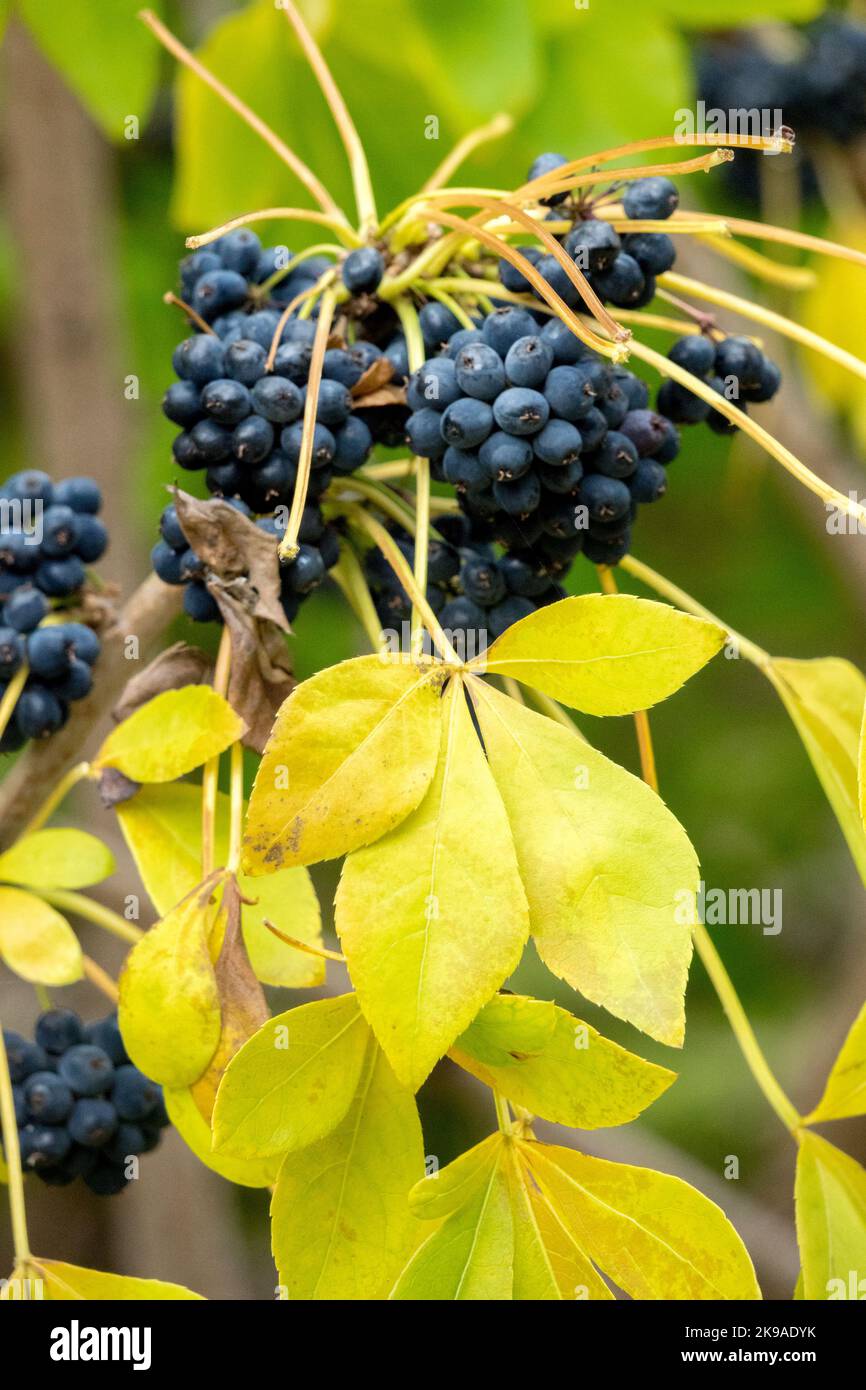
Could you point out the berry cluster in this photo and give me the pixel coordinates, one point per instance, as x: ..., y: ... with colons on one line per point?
x: 50, y: 532
x: 175, y: 562
x: 621, y: 270
x: 815, y: 76
x: 733, y: 367
x: 475, y: 593
x: 83, y: 1109
x: 241, y: 420
x: 550, y: 445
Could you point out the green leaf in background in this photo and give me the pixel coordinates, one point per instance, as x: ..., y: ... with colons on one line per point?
x: 36, y: 942
x: 845, y: 1092
x: 341, y: 1225
x: 57, y: 859
x: 162, y: 827
x: 293, y: 1082
x: 104, y: 52
x: 825, y: 699
x: 830, y: 1194
x: 575, y: 1078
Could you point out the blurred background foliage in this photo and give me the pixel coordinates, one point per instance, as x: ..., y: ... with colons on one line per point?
x: 109, y: 158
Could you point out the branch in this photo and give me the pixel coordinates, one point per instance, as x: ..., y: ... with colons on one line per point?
x: 148, y: 612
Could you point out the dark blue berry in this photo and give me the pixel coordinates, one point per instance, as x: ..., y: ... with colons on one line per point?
x: 558, y: 444
x: 181, y: 404
x: 200, y: 359
x: 48, y: 653
x: 185, y: 453
x: 217, y: 291
x: 518, y: 498
x: 58, y: 1029
x: 92, y: 540
x: 83, y: 495
x: 651, y: 199
x: 245, y: 361
x: 333, y: 404
x: 680, y: 404
x: 482, y: 581
x: 624, y: 284
x: 464, y: 469
x: 559, y: 280
x: 654, y: 251
x: 504, y: 326
x: 199, y: 604
x: 240, y: 250
x: 424, y: 434
x: 505, y: 456
x: 306, y: 571
x: 437, y: 324
x: 695, y: 354
x: 92, y: 1122
x: 24, y: 1057
x: 508, y: 612
x: 226, y: 401
x: 616, y: 456
x: 740, y: 358
x: 87, y: 1069
x: 133, y: 1095
x: 278, y: 399
x: 43, y: 1146
x: 292, y: 360
x: 648, y: 482
x: 59, y: 531
x: 60, y: 578
x: 466, y: 423
x: 12, y: 652
x: 480, y: 372
x: 521, y: 411
x: 606, y: 499
x: 39, y: 713
x: 77, y: 682
x: 47, y: 1097
x: 83, y: 642
x: 593, y: 245
x: 32, y: 485
x: 362, y: 270
x: 324, y: 444
x: 171, y: 530
x: 528, y: 361
x: 514, y: 279
x: 546, y: 164
x: 340, y: 365
x: 252, y: 439
x: 353, y: 444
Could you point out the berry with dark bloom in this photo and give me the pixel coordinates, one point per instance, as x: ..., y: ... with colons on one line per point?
x: 362, y: 270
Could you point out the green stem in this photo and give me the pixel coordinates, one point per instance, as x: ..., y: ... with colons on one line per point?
x: 743, y: 1031
x: 350, y: 577
x: 92, y: 911
x: 10, y: 698
x: 503, y: 1114
x: 12, y: 1149
x: 75, y: 775
x: 415, y: 347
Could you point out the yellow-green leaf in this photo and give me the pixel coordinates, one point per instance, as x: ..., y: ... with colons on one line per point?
x: 470, y: 1257
x: 169, y: 1007
x: 825, y: 699
x: 654, y: 1235
x: 446, y: 1190
x: 57, y: 859
x: 36, y: 942
x: 293, y: 1082
x: 609, y: 872
x: 340, y: 1221
x: 195, y: 1132
x: 576, y: 1077
x: 162, y: 827
x: 830, y: 1193
x: 604, y: 653
x: 861, y: 770
x: 433, y: 917
x: 170, y: 735
x: 351, y: 754
x: 65, y: 1283
x: 845, y: 1092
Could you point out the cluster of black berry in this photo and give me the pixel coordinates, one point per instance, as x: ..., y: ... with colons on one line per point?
x: 621, y: 270
x: 550, y: 445
x: 815, y: 76
x: 49, y: 532
x: 733, y: 367
x: 83, y: 1109
x: 475, y: 593
x: 241, y: 421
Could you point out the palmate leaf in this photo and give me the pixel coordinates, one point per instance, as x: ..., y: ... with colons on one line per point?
x: 830, y: 1193
x: 36, y: 942
x: 162, y: 827
x: 845, y: 1092
x: 169, y: 1006
x: 825, y: 699
x: 293, y: 1082
x: 171, y: 734
x: 573, y: 1076
x: 604, y: 653
x: 341, y: 1225
x: 609, y: 872
x: 433, y: 917
x: 351, y: 754
x: 57, y: 859
x: 530, y: 1221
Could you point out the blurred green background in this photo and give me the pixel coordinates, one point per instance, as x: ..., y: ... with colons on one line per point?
x: 107, y: 163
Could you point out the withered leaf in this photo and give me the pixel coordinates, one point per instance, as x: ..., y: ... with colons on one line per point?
x: 177, y: 666
x: 378, y: 374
